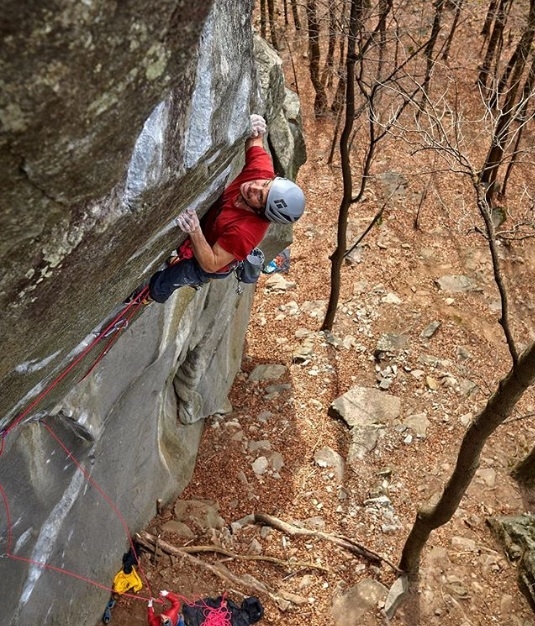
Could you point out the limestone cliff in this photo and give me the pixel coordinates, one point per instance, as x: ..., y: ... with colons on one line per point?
x: 114, y: 118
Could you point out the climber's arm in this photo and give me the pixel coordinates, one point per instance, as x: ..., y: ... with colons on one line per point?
x: 211, y: 259
x: 254, y: 141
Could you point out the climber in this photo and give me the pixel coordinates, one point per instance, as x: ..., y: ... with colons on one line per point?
x: 234, y: 225
x: 169, y: 617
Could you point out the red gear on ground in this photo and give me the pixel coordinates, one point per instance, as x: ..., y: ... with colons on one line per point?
x: 171, y: 613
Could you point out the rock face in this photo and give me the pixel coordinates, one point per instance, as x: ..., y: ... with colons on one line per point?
x: 114, y: 118
x: 517, y: 537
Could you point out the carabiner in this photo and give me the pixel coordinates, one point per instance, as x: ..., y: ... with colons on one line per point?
x: 119, y: 325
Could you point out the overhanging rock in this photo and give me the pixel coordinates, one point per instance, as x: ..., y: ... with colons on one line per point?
x: 115, y: 118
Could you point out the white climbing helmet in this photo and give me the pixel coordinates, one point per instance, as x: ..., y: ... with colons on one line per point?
x: 285, y: 202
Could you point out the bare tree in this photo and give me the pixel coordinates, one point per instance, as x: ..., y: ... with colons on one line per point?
x: 295, y: 15
x: 510, y: 82
x: 370, y: 93
x: 347, y: 197
x: 446, y: 52
x: 285, y: 9
x: 522, y: 117
x: 385, y: 6
x: 498, y: 408
x: 320, y: 102
x: 495, y: 41
x: 327, y: 72
x: 491, y: 12
x: 441, y: 131
x: 430, y: 48
x: 272, y: 24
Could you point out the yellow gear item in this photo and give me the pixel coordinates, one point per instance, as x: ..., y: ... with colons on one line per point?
x: 127, y: 582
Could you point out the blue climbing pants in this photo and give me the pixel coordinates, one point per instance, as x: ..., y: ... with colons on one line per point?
x: 185, y: 272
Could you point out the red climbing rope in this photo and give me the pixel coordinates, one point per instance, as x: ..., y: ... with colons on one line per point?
x: 8, y: 520
x: 112, y: 505
x: 219, y: 616
x: 114, y: 334
x: 213, y: 616
x: 119, y: 323
x: 61, y: 570
x: 139, y: 297
x: 216, y: 617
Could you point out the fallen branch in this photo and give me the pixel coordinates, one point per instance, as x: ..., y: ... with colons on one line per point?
x: 281, y: 598
x: 339, y: 540
x: 158, y: 543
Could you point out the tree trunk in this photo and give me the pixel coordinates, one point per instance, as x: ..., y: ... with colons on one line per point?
x: 320, y: 102
x: 295, y: 14
x: 429, y: 50
x: 494, y: 42
x: 272, y: 23
x: 491, y: 13
x: 327, y: 73
x: 337, y: 257
x: 524, y: 472
x: 522, y: 117
x: 447, y: 47
x: 384, y: 9
x: 509, y: 109
x: 518, y: 58
x: 498, y: 408
x: 263, y: 19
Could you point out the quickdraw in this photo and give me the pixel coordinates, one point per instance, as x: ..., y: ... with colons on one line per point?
x: 122, y: 324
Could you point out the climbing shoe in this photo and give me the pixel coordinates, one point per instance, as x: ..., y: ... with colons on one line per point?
x: 106, y: 618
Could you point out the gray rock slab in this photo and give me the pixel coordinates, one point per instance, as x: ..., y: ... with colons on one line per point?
x: 456, y: 283
x: 327, y: 457
x: 114, y: 119
x: 516, y: 534
x: 361, y: 406
x: 199, y: 514
x: 269, y: 371
x: 363, y: 440
x: 349, y: 608
x: 392, y: 342
x: 179, y: 528
x: 397, y: 593
x: 430, y: 330
x: 417, y: 423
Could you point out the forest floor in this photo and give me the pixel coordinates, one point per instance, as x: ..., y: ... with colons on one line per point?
x: 442, y: 381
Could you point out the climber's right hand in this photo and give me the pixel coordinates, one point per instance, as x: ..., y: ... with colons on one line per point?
x: 188, y: 221
x: 258, y: 125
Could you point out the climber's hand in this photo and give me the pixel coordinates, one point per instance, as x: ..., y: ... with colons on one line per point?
x: 258, y: 125
x: 188, y: 221
x: 164, y: 593
x: 150, y: 603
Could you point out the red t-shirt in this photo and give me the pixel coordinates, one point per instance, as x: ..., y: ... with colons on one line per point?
x: 236, y: 230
